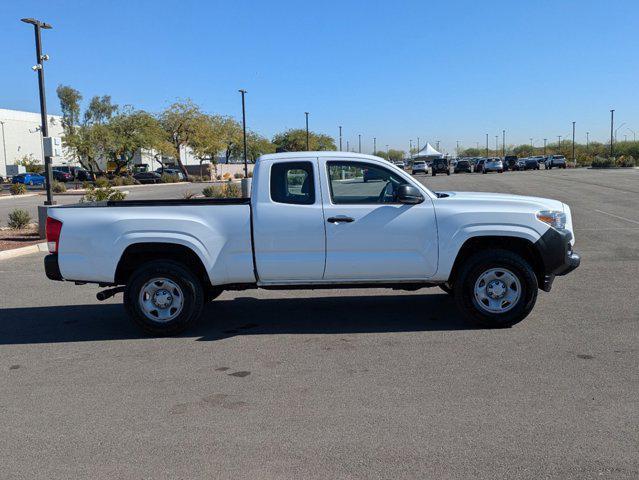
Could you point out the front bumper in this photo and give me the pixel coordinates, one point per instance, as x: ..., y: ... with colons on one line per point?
x: 557, y: 255
x: 51, y: 267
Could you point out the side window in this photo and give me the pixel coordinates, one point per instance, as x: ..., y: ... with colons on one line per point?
x: 362, y: 183
x: 292, y: 182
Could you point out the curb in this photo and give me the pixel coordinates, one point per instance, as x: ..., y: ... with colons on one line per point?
x: 25, y: 195
x: 18, y: 252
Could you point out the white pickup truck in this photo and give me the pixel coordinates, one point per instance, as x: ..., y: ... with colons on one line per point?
x: 315, y: 220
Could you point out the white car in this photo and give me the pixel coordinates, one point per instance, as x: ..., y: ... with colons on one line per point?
x: 312, y: 222
x: 419, y: 166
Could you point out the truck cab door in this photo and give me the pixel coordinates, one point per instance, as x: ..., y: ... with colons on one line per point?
x: 288, y: 222
x: 370, y: 236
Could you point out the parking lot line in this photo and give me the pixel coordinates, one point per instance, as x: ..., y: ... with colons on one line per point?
x: 617, y: 216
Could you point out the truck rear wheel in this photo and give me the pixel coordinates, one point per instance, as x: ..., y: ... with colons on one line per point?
x: 163, y: 297
x: 496, y: 288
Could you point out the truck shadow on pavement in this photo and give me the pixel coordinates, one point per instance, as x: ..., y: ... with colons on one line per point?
x: 241, y: 316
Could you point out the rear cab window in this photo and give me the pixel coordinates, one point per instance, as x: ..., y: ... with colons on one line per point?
x: 293, y: 183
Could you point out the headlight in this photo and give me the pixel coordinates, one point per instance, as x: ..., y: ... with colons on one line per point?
x: 554, y: 218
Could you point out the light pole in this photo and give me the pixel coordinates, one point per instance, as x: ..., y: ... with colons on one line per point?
x: 503, y: 143
x: 387, y: 157
x: 243, y: 92
x: 612, y: 124
x: 348, y: 146
x: 39, y: 67
x: 545, y: 140
x: 496, y: 144
x: 307, y: 144
x: 587, y: 141
x: 574, y: 160
x: 559, y: 137
x: 340, y: 138
x: 457, y: 149
x: 410, y: 147
x: 374, y: 145
x: 437, y: 143
x: 531, y: 142
x: 359, y: 143
x: 486, y: 145
x: 417, y: 144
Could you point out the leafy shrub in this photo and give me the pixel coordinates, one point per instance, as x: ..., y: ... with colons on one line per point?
x: 117, y: 181
x: 238, y: 175
x: 227, y: 190
x: 102, y: 182
x: 18, y: 219
x: 188, y: 195
x: 626, y: 161
x: 18, y: 189
x: 166, y: 178
x: 250, y: 174
x: 102, y: 194
x: 58, y: 187
x: 86, y: 185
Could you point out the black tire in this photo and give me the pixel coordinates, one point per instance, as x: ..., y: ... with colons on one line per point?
x: 448, y: 173
x: 193, y: 297
x: 474, y: 267
x: 434, y: 174
x: 213, y: 293
x: 484, y: 171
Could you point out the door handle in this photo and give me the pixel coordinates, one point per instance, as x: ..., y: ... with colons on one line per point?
x: 340, y: 220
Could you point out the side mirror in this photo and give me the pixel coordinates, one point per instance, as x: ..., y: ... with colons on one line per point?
x: 409, y: 195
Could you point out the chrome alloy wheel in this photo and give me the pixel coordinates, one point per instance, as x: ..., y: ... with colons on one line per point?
x: 161, y: 300
x: 497, y: 290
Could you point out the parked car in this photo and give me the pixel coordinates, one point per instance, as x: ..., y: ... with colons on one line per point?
x: 169, y: 257
x: 531, y: 163
x: 419, y: 166
x: 66, y: 169
x: 399, y: 163
x: 510, y: 162
x: 61, y: 176
x: 171, y: 171
x: 462, y: 166
x: 29, y: 179
x: 520, y: 164
x: 84, y: 175
x: 493, y: 165
x: 147, y: 177
x: 479, y: 165
x: 439, y: 165
x: 555, y: 161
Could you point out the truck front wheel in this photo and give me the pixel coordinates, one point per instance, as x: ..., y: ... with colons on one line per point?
x: 163, y: 297
x: 496, y: 288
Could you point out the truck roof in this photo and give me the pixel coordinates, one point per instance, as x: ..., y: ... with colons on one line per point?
x: 332, y: 153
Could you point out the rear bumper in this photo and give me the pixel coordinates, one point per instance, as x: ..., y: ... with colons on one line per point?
x: 51, y: 267
x: 557, y: 256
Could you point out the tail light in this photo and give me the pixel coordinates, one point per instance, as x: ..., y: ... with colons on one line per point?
x: 54, y: 227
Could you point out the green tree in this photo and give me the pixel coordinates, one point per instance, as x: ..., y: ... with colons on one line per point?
x: 382, y: 154
x: 182, y: 121
x: 396, y: 155
x: 129, y: 132
x: 294, y: 140
x: 30, y: 164
x: 524, y: 150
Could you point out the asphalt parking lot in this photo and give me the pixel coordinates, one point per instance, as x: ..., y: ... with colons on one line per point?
x: 339, y: 384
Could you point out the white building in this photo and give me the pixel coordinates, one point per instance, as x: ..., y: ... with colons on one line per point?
x: 20, y: 136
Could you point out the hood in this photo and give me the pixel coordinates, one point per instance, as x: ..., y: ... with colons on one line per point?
x: 503, y: 198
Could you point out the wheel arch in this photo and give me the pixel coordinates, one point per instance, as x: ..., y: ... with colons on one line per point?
x: 519, y: 245
x: 136, y: 254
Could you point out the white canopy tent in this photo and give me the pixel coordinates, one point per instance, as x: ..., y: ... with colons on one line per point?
x: 428, y: 152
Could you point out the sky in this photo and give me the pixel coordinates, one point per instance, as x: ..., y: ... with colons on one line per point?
x: 395, y: 70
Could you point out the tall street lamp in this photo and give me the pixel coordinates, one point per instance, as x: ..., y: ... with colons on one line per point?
x: 359, y: 143
x: 486, y: 145
x: 387, y: 157
x: 612, y: 125
x: 39, y: 67
x: 243, y: 92
x: 531, y: 142
x: 374, y: 145
x: 340, y: 138
x: 587, y: 140
x: 574, y: 160
x: 503, y: 143
x: 307, y: 144
x: 545, y: 140
x: 559, y: 137
x: 417, y: 144
x: 410, y: 147
x: 496, y: 144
